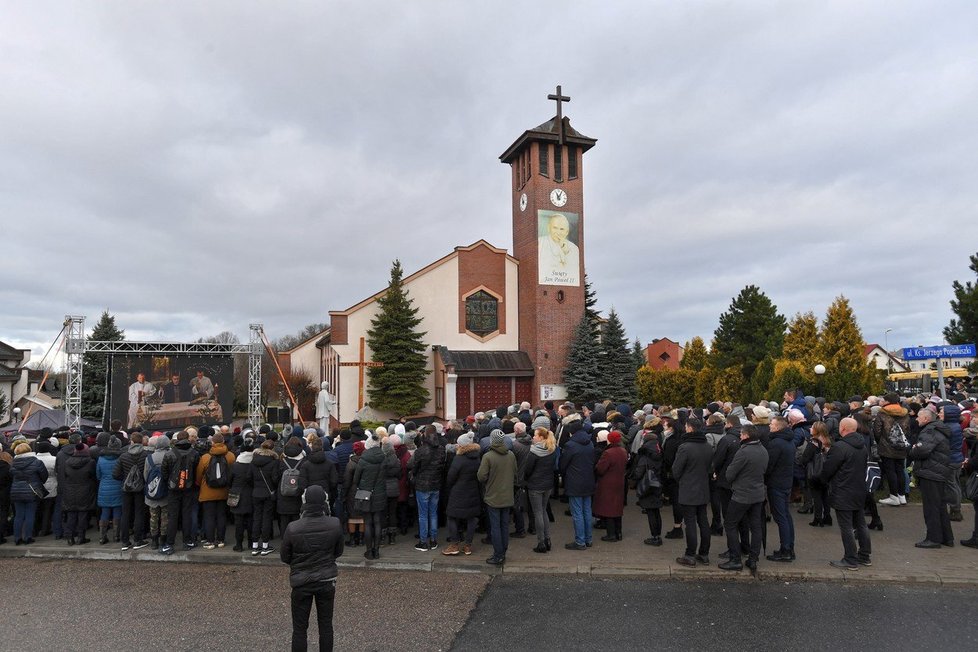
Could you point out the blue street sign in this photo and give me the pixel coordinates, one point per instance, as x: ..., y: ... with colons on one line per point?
x: 946, y: 351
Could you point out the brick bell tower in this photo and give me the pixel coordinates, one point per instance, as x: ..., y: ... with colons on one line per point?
x: 548, y: 240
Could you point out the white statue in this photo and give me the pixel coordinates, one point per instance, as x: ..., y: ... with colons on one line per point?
x: 325, y: 405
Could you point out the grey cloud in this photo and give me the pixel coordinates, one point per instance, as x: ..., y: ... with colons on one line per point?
x: 196, y: 167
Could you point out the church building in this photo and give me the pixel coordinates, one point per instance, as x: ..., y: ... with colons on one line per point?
x: 498, y: 325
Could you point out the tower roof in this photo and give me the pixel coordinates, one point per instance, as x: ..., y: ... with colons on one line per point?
x: 548, y: 132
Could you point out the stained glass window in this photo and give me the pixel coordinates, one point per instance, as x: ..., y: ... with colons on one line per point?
x: 481, y: 313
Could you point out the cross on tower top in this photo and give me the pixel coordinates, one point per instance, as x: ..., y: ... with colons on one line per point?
x: 558, y: 98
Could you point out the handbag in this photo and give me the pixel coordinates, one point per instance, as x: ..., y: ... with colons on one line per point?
x: 42, y: 494
x: 233, y: 499
x: 648, y: 483
x: 971, y: 487
x: 815, y: 466
x: 361, y: 500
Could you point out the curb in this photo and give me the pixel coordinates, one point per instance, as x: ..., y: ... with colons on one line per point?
x: 604, y: 570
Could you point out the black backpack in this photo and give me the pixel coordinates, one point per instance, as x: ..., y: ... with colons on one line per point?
x: 134, y: 482
x: 182, y: 474
x: 218, y: 474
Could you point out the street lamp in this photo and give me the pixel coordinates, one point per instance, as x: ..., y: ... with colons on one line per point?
x: 820, y: 371
x: 16, y: 414
x: 886, y: 345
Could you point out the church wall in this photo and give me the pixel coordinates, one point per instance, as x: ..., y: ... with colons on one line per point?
x: 436, y: 295
x: 308, y: 358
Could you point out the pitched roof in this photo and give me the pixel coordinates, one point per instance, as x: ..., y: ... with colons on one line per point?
x: 6, y: 373
x: 549, y: 131
x: 427, y: 268
x: 315, y: 336
x: 8, y: 352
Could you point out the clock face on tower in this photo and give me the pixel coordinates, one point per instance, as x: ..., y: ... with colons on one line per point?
x: 523, y: 202
x: 558, y: 197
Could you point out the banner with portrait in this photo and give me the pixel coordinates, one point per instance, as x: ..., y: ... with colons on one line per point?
x: 167, y: 392
x: 559, y: 256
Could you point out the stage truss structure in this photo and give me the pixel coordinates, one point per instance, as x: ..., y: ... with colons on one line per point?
x: 77, y: 346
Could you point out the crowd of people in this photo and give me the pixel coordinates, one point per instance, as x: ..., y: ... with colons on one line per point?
x: 722, y: 470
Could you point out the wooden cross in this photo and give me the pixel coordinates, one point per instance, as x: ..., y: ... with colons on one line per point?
x: 558, y: 98
x: 362, y: 364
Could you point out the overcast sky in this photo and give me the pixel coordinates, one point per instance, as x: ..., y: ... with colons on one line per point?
x: 196, y: 166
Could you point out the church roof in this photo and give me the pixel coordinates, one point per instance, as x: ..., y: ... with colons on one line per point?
x: 6, y: 373
x: 549, y: 132
x: 424, y: 270
x: 488, y: 363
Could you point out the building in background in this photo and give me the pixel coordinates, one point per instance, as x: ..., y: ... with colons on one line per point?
x: 663, y: 354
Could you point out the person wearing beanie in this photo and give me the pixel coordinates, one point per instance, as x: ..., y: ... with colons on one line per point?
x: 464, y: 496
x: 310, y: 546
x: 497, y: 473
x: 428, y: 464
x: 215, y: 467
x: 109, y: 490
x: 78, y: 488
x: 609, y: 490
x: 159, y: 446
x: 28, y: 475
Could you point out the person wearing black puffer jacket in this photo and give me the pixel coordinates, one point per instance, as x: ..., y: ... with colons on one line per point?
x: 240, y: 492
x: 264, y: 481
x: 692, y: 471
x: 932, y: 467
x: 79, y: 492
x: 310, y: 546
x: 369, y: 476
x: 133, y: 506
x: 319, y: 470
x: 723, y: 454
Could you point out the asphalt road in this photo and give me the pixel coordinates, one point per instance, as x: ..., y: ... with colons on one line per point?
x: 554, y: 613
x: 99, y: 605
x: 91, y: 605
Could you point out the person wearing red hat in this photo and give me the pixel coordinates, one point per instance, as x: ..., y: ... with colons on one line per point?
x: 609, y: 492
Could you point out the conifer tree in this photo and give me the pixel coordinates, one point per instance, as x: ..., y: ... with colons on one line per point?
x: 841, y: 352
x: 591, y: 300
x: 638, y: 354
x: 399, y: 385
x: 801, y: 340
x: 749, y: 331
x: 96, y: 366
x: 695, y: 356
x: 617, y: 375
x: 581, y: 373
x: 761, y: 381
x: 964, y: 329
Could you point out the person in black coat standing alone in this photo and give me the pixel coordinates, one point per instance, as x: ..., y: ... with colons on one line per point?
x: 692, y: 471
x: 310, y: 547
x: 844, y: 471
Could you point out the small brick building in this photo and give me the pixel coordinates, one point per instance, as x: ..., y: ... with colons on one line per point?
x: 663, y: 354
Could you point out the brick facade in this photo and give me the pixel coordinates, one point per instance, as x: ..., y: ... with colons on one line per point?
x: 548, y: 313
